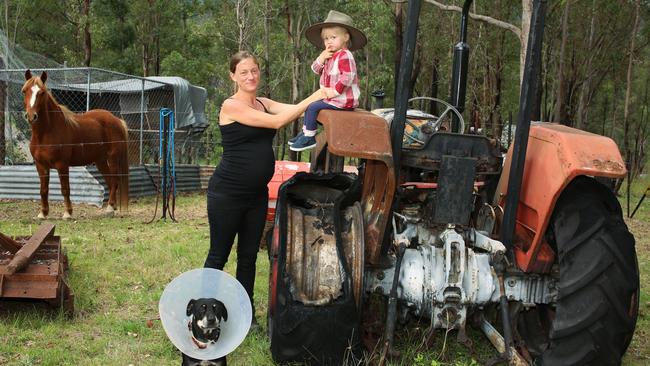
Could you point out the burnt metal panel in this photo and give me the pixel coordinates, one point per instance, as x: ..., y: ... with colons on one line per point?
x: 312, y: 256
x: 454, y: 196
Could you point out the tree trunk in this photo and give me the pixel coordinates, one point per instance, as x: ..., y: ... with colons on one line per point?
x: 560, y: 102
x: 241, y: 9
x: 366, y: 53
x: 87, y: 42
x: 495, y: 113
x: 604, y: 114
x: 614, y: 108
x: 526, y: 14
x: 433, y: 91
x: 267, y: 48
x: 294, y: 24
x: 628, y: 91
x: 3, y: 97
x: 416, y: 68
x: 157, y: 32
x: 536, y: 108
x: 399, y: 34
x: 145, y: 59
x: 585, y: 91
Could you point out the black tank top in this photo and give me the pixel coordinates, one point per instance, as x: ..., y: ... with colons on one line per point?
x: 248, y: 162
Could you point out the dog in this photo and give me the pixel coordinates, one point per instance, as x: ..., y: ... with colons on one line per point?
x: 205, y: 325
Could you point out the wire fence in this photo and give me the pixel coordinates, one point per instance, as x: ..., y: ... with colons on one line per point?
x: 136, y: 100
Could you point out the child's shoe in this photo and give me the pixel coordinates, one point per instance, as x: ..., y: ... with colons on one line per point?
x: 293, y: 139
x: 303, y: 143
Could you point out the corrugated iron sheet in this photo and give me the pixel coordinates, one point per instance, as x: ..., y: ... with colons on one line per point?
x: 205, y: 172
x: 140, y: 182
x: 87, y: 185
x: 21, y: 182
x: 188, y: 177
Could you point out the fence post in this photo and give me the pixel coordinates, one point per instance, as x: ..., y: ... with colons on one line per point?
x: 88, y: 92
x: 141, y: 119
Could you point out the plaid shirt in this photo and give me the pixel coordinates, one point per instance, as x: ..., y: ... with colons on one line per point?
x: 340, y: 73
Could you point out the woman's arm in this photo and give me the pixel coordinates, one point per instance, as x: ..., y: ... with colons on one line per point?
x: 275, y: 107
x: 280, y: 113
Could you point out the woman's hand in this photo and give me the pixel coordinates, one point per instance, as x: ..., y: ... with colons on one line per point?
x: 316, y: 96
x: 329, y: 92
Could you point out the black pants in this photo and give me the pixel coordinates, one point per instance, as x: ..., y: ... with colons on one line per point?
x: 244, y: 217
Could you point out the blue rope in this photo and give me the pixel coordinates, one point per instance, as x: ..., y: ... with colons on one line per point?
x: 171, y: 157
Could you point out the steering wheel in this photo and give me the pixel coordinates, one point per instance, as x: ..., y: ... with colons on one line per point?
x: 438, y: 120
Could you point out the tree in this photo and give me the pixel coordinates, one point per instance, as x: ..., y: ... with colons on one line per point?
x: 560, y: 114
x: 626, y: 112
x: 86, y: 32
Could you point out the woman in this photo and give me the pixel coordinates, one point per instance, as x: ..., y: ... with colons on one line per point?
x: 237, y: 191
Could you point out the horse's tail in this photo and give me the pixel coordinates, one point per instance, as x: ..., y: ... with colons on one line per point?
x: 123, y: 169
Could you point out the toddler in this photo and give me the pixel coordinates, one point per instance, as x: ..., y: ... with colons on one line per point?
x: 337, y: 69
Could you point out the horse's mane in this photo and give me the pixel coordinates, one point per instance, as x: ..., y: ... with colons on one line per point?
x: 68, y: 115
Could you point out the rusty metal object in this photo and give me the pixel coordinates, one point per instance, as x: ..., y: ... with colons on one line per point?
x: 8, y: 244
x: 25, y: 254
x: 499, y: 343
x: 362, y: 135
x: 312, y: 256
x: 353, y: 245
x: 312, y: 259
x: 37, y: 270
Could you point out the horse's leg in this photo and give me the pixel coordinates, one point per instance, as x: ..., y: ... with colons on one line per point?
x: 64, y: 177
x: 111, y: 183
x: 44, y: 177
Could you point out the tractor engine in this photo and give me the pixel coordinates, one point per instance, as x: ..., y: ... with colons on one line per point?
x: 446, y: 270
x: 445, y: 222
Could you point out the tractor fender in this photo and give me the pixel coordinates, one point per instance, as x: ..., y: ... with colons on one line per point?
x: 556, y: 155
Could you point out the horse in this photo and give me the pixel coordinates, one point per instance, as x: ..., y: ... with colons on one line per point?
x: 61, y: 138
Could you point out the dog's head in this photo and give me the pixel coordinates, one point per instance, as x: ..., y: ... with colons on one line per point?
x: 206, y: 317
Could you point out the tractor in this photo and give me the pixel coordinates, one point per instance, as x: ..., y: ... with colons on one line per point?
x: 529, y: 247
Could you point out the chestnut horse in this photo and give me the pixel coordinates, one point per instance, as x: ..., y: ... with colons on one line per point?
x: 61, y: 139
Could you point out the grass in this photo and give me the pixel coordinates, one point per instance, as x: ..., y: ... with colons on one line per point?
x: 639, y: 351
x: 120, y: 266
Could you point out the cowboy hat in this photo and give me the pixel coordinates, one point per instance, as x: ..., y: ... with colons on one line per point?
x: 335, y: 18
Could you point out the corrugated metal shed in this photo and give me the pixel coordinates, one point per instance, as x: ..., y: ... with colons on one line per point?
x: 87, y: 185
x: 205, y: 172
x: 140, y: 183
x: 21, y: 182
x: 188, y: 178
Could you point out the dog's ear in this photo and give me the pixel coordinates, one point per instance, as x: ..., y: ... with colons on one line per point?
x: 190, y: 307
x: 222, y: 310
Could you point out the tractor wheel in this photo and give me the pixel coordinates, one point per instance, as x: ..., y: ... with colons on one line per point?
x: 598, y: 290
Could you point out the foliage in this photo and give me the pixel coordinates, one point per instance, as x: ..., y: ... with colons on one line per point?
x: 194, y: 39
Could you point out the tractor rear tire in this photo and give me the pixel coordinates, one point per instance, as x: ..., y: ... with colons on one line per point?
x: 598, y: 289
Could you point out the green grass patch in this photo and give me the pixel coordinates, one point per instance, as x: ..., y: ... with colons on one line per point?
x: 119, y: 267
